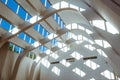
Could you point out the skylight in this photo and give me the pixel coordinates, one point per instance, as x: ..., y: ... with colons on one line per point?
x: 91, y: 64
x: 74, y: 7
x: 76, y: 55
x: 102, y: 53
x: 56, y: 6
x: 81, y: 9
x: 92, y: 79
x: 108, y: 74
x: 37, y: 59
x: 65, y: 49
x: 89, y: 31
x: 111, y: 28
x: 56, y: 70
x: 74, y: 26
x: 99, y: 42
x: 52, y: 35
x: 79, y: 72
x: 64, y: 4
x: 45, y: 62
x: 14, y: 30
x: 65, y: 63
x: 54, y: 55
x: 99, y: 23
x: 36, y: 44
x: 90, y: 47
x: 34, y: 19
x: 106, y: 44
x: 48, y: 51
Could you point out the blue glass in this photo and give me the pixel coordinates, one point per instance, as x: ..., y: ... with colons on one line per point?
x: 45, y: 33
x: 43, y: 2
x: 41, y: 29
x: 41, y: 48
x: 55, y: 42
x: 48, y: 4
x: 62, y: 24
x: 52, y: 41
x: 12, y: 27
x: 4, y: 24
x: 21, y: 35
x: 36, y: 27
x: 32, y: 41
x: 16, y: 48
x: 3, y: 1
x: 27, y: 39
x: 44, y: 48
x: 57, y: 18
x: 22, y: 13
x: 12, y: 5
x: 29, y: 16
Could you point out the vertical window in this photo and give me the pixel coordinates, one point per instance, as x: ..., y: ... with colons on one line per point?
x: 12, y: 5
x: 22, y: 13
x: 21, y: 36
x: 5, y: 25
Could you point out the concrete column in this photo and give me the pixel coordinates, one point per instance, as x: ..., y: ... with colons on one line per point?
x: 17, y: 64
x: 106, y: 12
x: 3, y: 54
x: 32, y: 71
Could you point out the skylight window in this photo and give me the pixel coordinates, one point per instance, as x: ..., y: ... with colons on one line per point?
x: 91, y: 64
x: 54, y: 55
x: 84, y: 38
x: 34, y: 19
x: 14, y: 30
x: 111, y: 28
x: 88, y: 31
x: 64, y: 4
x: 90, y: 47
x: 102, y: 53
x: 99, y: 24
x: 79, y: 72
x: 36, y: 44
x: 56, y: 70
x: 74, y: 7
x: 78, y: 42
x: 48, y: 51
x: 99, y: 42
x: 81, y: 9
x: 56, y: 6
x: 65, y: 49
x: 108, y: 74
x: 65, y: 63
x: 81, y: 27
x: 76, y: 55
x: 74, y: 26
x: 51, y: 36
x: 37, y: 59
x: 106, y: 44
x: 45, y: 62
x: 68, y: 26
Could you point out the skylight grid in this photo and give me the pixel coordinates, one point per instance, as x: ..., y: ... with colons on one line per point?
x: 15, y: 48
x: 57, y: 18
x: 16, y: 8
x: 6, y: 25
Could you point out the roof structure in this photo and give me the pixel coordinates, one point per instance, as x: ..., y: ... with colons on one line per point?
x: 55, y: 30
